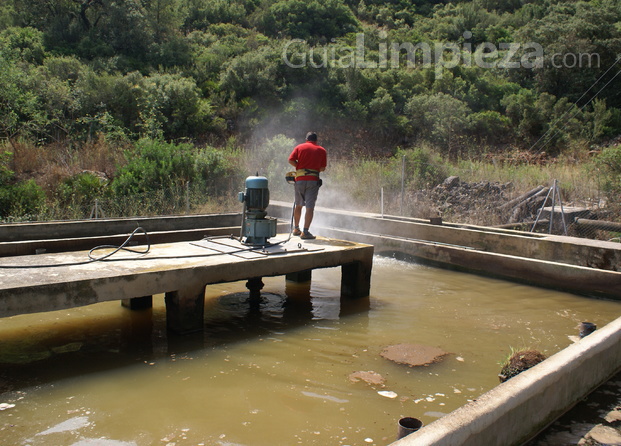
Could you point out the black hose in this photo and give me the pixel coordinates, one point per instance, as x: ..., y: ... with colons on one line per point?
x: 122, y: 247
x: 119, y: 248
x: 92, y: 259
x: 290, y: 228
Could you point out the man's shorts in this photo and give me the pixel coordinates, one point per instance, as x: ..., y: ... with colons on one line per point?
x: 306, y: 193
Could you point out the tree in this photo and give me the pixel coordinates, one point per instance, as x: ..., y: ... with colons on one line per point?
x: 20, y: 114
x: 438, y: 118
x: 314, y: 19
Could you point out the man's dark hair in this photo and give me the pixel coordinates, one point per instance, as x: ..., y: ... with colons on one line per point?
x: 311, y: 136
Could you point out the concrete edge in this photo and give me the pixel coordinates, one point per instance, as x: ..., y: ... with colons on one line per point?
x: 515, y: 411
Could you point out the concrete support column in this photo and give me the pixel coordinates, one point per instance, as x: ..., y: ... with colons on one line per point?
x: 185, y: 309
x: 255, y: 285
x: 138, y: 303
x: 300, y: 276
x: 356, y: 278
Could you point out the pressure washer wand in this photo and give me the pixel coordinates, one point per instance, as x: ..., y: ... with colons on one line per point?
x: 243, y: 221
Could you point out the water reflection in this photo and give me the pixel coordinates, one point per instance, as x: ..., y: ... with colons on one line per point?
x: 274, y: 370
x: 103, y: 336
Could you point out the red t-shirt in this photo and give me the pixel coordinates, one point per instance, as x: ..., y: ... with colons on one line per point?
x: 309, y: 155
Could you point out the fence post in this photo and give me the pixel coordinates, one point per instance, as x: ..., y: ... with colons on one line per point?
x: 187, y: 197
x: 402, y: 182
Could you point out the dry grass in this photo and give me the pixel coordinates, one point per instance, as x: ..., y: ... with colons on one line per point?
x: 50, y: 164
x: 361, y: 184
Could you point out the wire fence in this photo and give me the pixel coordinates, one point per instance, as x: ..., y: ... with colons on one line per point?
x: 573, y: 205
x: 181, y: 200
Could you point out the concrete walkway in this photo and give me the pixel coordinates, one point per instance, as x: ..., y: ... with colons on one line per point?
x: 48, y: 282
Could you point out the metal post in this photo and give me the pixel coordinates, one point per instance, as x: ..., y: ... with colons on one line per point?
x: 560, y: 202
x: 539, y: 211
x: 95, y: 210
x: 382, y: 201
x: 402, y: 182
x: 187, y: 197
x: 553, y: 203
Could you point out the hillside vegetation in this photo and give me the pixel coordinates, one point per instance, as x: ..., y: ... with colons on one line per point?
x: 107, y: 100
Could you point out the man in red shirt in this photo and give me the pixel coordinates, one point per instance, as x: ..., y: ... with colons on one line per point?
x: 309, y: 159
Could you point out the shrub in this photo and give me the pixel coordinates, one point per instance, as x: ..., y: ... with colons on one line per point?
x: 610, y: 162
x: 309, y: 19
x: 80, y: 191
x: 153, y: 165
x: 437, y: 118
x: 423, y: 169
x: 156, y: 165
x: 19, y: 200
x: 490, y: 127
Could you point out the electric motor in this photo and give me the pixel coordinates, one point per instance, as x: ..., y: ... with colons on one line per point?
x: 256, y: 226
x: 257, y: 196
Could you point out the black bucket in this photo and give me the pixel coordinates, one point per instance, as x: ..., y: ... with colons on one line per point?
x: 408, y: 425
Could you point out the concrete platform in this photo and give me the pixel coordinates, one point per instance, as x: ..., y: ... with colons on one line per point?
x: 49, y: 282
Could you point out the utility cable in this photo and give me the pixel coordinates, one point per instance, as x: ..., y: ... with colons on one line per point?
x: 573, y: 106
x: 578, y: 111
x: 122, y: 247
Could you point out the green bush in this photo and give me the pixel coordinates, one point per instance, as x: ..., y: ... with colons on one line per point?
x: 423, y: 168
x: 437, y: 118
x: 490, y: 127
x: 78, y: 193
x: 18, y: 199
x: 21, y: 200
x: 157, y: 165
x: 308, y: 19
x: 24, y: 44
x: 154, y: 164
x: 609, y: 161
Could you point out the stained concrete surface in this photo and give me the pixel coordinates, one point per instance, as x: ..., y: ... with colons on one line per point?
x: 413, y: 354
x: 594, y: 421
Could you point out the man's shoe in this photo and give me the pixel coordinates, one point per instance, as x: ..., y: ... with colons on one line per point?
x: 296, y: 232
x: 307, y: 236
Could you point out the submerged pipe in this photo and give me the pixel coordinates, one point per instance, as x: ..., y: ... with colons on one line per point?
x: 408, y: 425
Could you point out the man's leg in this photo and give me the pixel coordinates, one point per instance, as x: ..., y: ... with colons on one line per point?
x: 297, y: 214
x: 308, y: 218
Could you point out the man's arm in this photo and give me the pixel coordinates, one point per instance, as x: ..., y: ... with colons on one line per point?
x: 294, y: 163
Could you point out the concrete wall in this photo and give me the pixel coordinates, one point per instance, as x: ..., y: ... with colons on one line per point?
x: 575, y: 251
x: 566, y: 263
x: 51, y: 237
x: 111, y: 226
x: 515, y: 411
